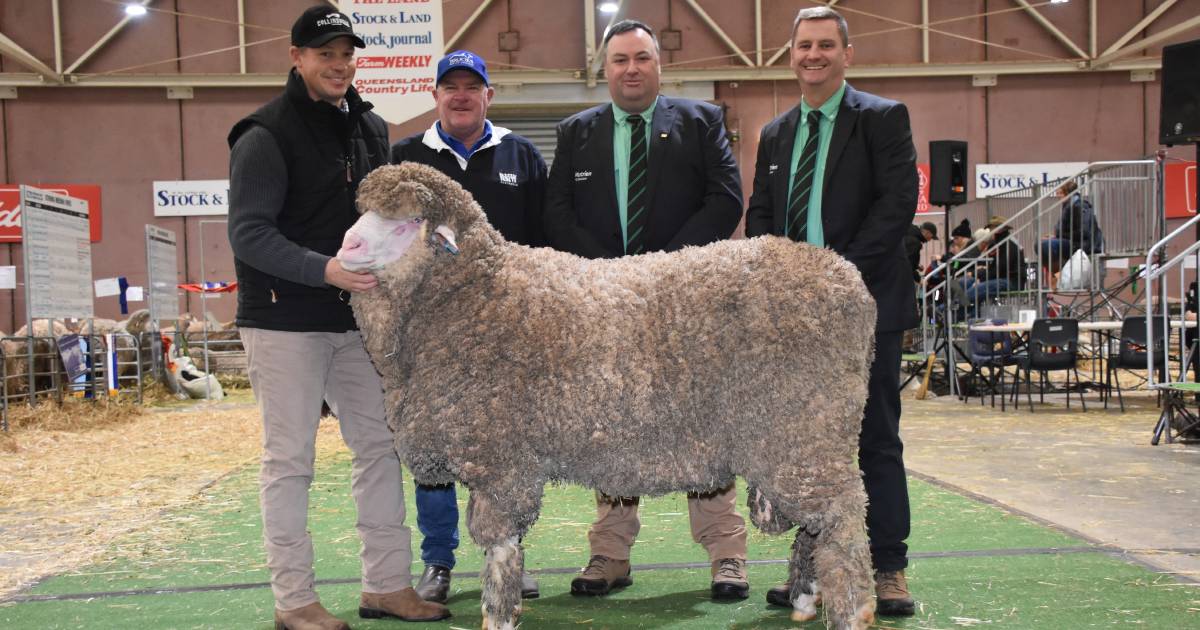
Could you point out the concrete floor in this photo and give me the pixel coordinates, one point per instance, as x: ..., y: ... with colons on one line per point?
x: 1093, y: 473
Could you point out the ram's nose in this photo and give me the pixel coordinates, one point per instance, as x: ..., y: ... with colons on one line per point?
x: 354, y: 253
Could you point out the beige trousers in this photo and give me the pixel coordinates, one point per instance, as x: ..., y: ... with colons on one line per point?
x: 291, y: 372
x: 716, y: 525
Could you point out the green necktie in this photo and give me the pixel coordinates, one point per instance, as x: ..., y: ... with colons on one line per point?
x: 635, y: 202
x: 802, y: 180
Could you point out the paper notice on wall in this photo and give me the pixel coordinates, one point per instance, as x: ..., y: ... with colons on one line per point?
x: 8, y: 277
x: 134, y: 294
x: 107, y: 286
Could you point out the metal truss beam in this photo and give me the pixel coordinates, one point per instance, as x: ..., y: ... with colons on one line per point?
x: 100, y: 43
x: 14, y: 51
x: 1052, y: 29
x: 1165, y: 34
x: 719, y: 32
x: 449, y: 45
x: 1139, y: 27
x: 530, y: 77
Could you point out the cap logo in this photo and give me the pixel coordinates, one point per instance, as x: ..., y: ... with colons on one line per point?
x: 334, y: 19
x: 461, y: 60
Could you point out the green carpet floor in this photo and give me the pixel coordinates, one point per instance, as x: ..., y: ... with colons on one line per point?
x: 972, y: 565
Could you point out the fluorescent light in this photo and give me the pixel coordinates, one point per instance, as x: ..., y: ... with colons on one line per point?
x: 135, y: 10
x: 1059, y: 1
x: 607, y: 8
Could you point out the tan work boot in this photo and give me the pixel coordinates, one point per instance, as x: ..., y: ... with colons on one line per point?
x: 601, y: 575
x: 729, y: 579
x: 891, y: 594
x: 404, y: 605
x: 310, y: 617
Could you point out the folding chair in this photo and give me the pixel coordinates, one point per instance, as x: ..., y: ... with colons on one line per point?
x: 1053, y: 347
x: 1131, y: 353
x: 994, y: 351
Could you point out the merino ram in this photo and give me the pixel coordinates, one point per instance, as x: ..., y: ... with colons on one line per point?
x: 507, y: 367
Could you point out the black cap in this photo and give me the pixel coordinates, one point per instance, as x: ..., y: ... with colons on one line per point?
x: 322, y: 24
x: 930, y: 227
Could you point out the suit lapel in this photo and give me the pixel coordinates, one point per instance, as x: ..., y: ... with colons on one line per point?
x: 600, y: 145
x: 843, y: 128
x: 782, y: 161
x: 661, y: 127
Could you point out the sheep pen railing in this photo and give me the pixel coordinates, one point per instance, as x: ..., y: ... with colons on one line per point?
x: 32, y: 369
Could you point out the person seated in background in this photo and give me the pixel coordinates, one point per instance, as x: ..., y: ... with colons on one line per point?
x: 1077, y: 230
x: 1191, y: 334
x: 960, y: 241
x: 914, y: 240
x: 1004, y: 269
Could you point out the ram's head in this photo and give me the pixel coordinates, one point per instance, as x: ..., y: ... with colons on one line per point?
x: 398, y: 204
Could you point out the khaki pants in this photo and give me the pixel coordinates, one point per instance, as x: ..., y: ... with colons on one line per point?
x: 716, y: 525
x: 291, y: 372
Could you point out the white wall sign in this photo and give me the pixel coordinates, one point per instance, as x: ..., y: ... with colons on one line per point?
x: 106, y: 287
x: 994, y: 179
x: 404, y: 43
x: 163, y: 268
x: 57, y: 246
x: 190, y: 198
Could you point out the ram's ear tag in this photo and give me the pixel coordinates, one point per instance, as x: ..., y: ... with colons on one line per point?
x: 444, y: 237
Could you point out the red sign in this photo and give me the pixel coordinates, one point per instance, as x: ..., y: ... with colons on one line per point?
x: 1179, y: 190
x: 923, y: 189
x: 10, y: 207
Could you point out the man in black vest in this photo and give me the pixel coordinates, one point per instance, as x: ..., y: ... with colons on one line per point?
x: 293, y: 173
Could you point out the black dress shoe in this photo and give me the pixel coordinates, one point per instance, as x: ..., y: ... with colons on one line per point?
x: 434, y: 585
x: 778, y: 596
x: 529, y: 587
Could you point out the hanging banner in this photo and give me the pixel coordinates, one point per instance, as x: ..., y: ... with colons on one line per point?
x: 994, y: 179
x: 191, y: 197
x: 1179, y: 190
x: 923, y: 190
x: 10, y: 208
x: 404, y: 43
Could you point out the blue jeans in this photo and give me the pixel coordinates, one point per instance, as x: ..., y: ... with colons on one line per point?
x: 437, y: 518
x: 1055, y: 252
x: 985, y: 289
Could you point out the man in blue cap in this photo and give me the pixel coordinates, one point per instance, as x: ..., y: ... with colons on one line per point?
x: 293, y: 171
x: 507, y: 176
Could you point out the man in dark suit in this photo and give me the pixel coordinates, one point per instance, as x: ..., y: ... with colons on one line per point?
x: 646, y: 173
x: 853, y: 188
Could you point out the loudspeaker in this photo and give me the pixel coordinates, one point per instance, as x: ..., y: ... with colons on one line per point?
x: 1179, y: 116
x: 947, y: 172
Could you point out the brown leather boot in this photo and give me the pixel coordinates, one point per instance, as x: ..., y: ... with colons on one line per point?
x: 891, y: 594
x: 404, y: 605
x: 601, y: 575
x: 310, y: 617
